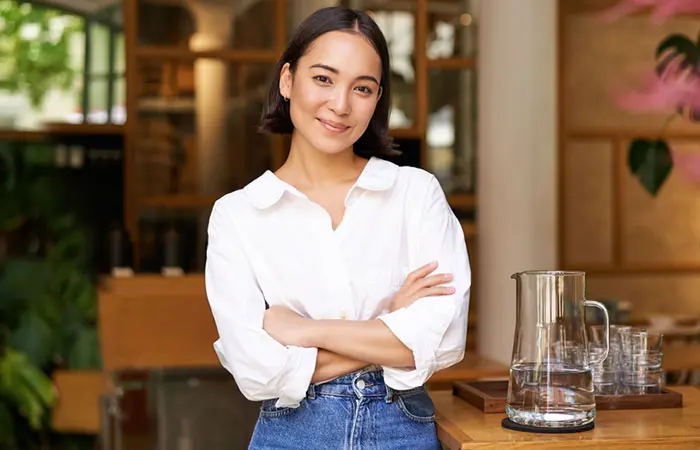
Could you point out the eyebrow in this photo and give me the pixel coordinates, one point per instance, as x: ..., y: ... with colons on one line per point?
x: 334, y: 70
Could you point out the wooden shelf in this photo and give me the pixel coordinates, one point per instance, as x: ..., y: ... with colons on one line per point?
x: 83, y: 129
x: 7, y: 134
x: 406, y: 133
x: 48, y: 131
x: 185, y: 54
x: 603, y: 133
x: 462, y: 201
x: 452, y: 63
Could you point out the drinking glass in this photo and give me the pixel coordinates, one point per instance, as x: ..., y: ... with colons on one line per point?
x: 641, y: 358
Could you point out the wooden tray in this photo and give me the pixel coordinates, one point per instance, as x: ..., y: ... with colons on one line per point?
x: 490, y: 397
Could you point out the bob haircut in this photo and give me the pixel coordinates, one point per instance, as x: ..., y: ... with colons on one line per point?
x: 375, y: 141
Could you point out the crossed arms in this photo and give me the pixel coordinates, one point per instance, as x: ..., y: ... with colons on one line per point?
x: 275, y: 353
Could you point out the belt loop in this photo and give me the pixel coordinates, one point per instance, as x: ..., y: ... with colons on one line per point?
x: 311, y: 392
x: 389, y: 394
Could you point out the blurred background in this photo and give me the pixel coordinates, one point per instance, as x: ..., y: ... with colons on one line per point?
x: 564, y: 134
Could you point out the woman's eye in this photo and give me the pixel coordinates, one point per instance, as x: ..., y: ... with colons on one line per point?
x: 364, y: 89
x: 321, y: 78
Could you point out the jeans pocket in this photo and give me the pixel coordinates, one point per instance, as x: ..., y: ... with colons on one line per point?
x: 417, y: 405
x: 269, y: 410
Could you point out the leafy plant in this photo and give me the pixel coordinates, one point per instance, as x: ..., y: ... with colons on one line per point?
x: 35, y: 49
x: 24, y: 390
x: 674, y: 85
x: 47, y: 298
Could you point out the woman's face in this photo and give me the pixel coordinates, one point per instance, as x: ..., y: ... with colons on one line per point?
x: 333, y: 91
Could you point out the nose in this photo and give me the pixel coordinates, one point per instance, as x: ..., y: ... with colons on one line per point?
x: 340, y: 102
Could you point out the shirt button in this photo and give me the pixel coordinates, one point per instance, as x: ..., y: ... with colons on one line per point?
x: 360, y: 384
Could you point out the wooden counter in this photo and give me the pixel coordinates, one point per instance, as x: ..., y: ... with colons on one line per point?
x: 462, y: 426
x: 472, y: 367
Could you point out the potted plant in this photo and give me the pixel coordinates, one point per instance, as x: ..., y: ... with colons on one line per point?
x: 47, y: 300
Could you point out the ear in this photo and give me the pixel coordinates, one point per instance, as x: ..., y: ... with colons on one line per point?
x: 379, y: 93
x: 286, y: 77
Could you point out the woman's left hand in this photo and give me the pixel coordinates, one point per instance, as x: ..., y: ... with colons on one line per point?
x: 286, y: 327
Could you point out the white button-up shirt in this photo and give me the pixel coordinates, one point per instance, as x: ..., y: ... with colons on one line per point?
x: 269, y: 243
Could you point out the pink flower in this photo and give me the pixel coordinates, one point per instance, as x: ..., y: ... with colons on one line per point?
x: 661, y: 9
x: 668, y: 91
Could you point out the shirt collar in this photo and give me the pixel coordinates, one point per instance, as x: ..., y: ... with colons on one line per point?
x: 267, y: 189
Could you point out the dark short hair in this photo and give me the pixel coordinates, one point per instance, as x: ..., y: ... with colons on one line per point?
x: 375, y: 141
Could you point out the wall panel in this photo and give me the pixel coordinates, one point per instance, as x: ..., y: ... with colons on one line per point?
x: 588, y: 204
x: 650, y: 294
x: 664, y: 229
x: 599, y: 57
x: 634, y: 247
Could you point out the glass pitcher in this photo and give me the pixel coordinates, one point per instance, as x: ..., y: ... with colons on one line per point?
x: 551, y: 382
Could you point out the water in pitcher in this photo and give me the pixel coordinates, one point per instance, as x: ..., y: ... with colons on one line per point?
x: 551, y: 395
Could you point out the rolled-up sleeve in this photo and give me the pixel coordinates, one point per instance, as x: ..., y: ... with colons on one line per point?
x: 434, y: 328
x: 262, y: 367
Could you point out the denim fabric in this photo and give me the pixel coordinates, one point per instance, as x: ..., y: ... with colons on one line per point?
x: 353, y: 412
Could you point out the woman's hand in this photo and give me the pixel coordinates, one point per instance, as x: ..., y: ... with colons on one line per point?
x: 286, y: 327
x: 418, y: 285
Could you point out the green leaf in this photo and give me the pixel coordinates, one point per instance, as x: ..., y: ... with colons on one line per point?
x: 24, y: 280
x: 37, y: 64
x: 85, y: 352
x: 34, y: 337
x: 651, y: 162
x: 71, y: 247
x: 27, y: 387
x: 678, y: 45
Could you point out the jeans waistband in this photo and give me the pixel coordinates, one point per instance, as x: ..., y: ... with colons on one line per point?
x: 364, y: 383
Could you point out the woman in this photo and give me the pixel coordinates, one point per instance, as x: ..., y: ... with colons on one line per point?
x: 343, y: 247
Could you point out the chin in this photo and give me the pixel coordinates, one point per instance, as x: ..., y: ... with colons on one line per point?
x: 331, y: 148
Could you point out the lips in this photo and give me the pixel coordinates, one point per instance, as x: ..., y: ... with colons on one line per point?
x: 333, y: 126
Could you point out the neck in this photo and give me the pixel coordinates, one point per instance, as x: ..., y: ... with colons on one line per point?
x: 307, y: 166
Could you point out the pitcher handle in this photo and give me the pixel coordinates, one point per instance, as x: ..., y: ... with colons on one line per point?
x: 606, y: 318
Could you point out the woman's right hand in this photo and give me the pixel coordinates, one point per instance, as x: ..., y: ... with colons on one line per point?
x: 419, y: 284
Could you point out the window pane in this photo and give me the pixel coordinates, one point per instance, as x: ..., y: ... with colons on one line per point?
x: 452, y: 29
x: 119, y: 101
x: 252, y: 24
x: 119, y: 54
x: 58, y: 63
x: 98, y: 59
x: 98, y: 95
x: 451, y: 134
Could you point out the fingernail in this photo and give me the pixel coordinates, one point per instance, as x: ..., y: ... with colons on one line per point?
x: 448, y: 276
x: 434, y: 263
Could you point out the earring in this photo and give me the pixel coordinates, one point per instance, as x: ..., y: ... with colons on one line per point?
x: 285, y: 98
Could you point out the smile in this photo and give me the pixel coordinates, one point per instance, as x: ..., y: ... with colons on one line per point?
x: 333, y: 126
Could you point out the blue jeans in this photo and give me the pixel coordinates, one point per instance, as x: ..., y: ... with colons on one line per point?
x: 353, y: 412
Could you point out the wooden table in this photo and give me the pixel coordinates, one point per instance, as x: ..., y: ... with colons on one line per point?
x: 472, y: 367
x: 462, y: 426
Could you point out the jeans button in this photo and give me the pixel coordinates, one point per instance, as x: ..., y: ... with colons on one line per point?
x: 360, y: 384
